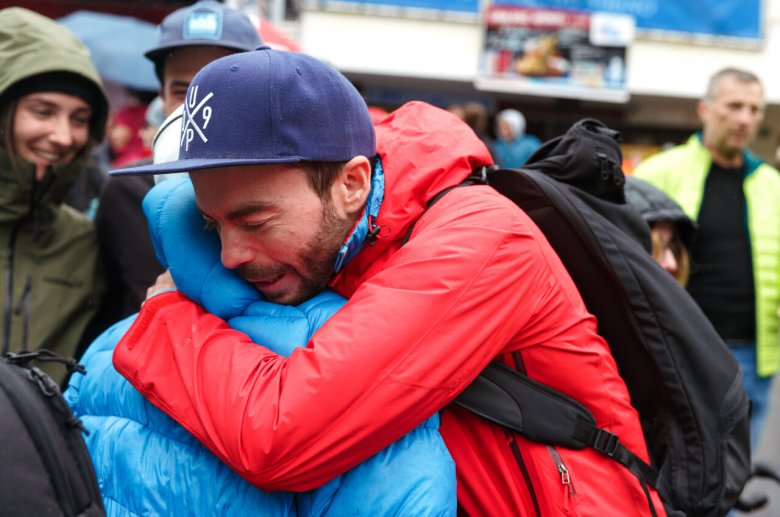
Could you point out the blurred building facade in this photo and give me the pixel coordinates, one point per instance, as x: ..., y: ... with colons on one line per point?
x: 396, y: 52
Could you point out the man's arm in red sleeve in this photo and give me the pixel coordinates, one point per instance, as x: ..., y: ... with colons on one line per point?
x: 401, y: 348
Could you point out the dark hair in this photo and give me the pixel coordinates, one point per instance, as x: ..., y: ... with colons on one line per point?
x: 159, y: 69
x: 476, y: 116
x: 321, y: 175
x: 162, y: 60
x: 6, y: 129
x: 678, y: 248
x: 144, y: 96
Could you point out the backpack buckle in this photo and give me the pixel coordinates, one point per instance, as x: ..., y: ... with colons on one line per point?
x: 479, y: 176
x: 605, y: 442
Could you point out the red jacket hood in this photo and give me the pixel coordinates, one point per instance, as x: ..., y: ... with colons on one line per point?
x: 424, y: 150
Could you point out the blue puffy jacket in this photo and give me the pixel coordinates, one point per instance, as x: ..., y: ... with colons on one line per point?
x: 149, y: 465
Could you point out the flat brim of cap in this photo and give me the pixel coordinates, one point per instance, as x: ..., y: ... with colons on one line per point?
x: 197, y: 164
x: 160, y: 52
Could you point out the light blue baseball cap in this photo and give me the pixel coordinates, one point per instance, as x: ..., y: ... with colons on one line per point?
x: 205, y: 23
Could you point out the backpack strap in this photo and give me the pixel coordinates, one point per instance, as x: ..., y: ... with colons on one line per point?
x: 513, y: 400
x: 478, y: 177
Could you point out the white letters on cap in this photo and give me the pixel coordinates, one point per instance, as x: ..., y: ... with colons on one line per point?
x: 197, y: 116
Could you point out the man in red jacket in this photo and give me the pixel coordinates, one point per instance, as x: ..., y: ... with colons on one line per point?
x: 305, y: 194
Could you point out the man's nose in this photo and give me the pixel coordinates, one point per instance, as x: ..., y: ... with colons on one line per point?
x: 235, y: 251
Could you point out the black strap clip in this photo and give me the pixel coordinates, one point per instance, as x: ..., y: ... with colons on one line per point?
x: 605, y: 442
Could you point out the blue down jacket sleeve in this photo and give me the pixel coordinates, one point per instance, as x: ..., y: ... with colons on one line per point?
x: 149, y: 465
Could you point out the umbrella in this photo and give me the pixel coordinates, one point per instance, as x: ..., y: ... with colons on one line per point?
x: 117, y: 44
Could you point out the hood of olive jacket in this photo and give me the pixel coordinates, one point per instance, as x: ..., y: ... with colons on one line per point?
x: 22, y: 197
x: 32, y: 44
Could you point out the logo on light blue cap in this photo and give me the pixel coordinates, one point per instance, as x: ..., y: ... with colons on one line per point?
x: 203, y: 23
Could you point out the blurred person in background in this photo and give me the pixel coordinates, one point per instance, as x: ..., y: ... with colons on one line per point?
x: 52, y: 111
x: 154, y: 118
x: 733, y: 197
x: 189, y: 38
x: 124, y: 130
x: 192, y: 37
x: 476, y: 116
x: 513, y: 146
x: 671, y: 230
x: 125, y: 248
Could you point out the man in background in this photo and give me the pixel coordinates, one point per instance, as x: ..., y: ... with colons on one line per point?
x: 733, y: 196
x: 189, y: 38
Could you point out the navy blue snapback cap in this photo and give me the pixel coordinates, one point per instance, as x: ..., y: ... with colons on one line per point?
x: 205, y: 23
x: 268, y: 106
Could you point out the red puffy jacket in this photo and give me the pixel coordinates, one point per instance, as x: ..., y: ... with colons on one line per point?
x: 476, y: 280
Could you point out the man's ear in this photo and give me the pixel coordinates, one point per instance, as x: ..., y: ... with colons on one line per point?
x: 702, y: 109
x: 351, y: 188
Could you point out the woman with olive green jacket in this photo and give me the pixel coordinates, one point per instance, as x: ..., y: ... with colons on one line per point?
x: 52, y: 110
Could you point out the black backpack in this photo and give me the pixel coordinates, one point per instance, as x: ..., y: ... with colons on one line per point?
x: 45, y: 468
x: 682, y: 379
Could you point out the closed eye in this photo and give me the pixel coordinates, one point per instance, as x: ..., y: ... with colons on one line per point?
x: 210, y: 225
x: 252, y: 226
x: 42, y: 113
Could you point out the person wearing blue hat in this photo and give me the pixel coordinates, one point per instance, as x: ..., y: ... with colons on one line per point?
x: 193, y: 36
x: 138, y: 453
x: 304, y: 194
x: 189, y: 38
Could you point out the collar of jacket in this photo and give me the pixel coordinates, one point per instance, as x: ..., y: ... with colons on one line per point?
x: 751, y: 161
x: 21, y: 196
x: 366, y: 227
x: 424, y: 150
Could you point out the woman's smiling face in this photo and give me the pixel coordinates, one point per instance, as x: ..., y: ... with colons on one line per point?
x: 50, y: 128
